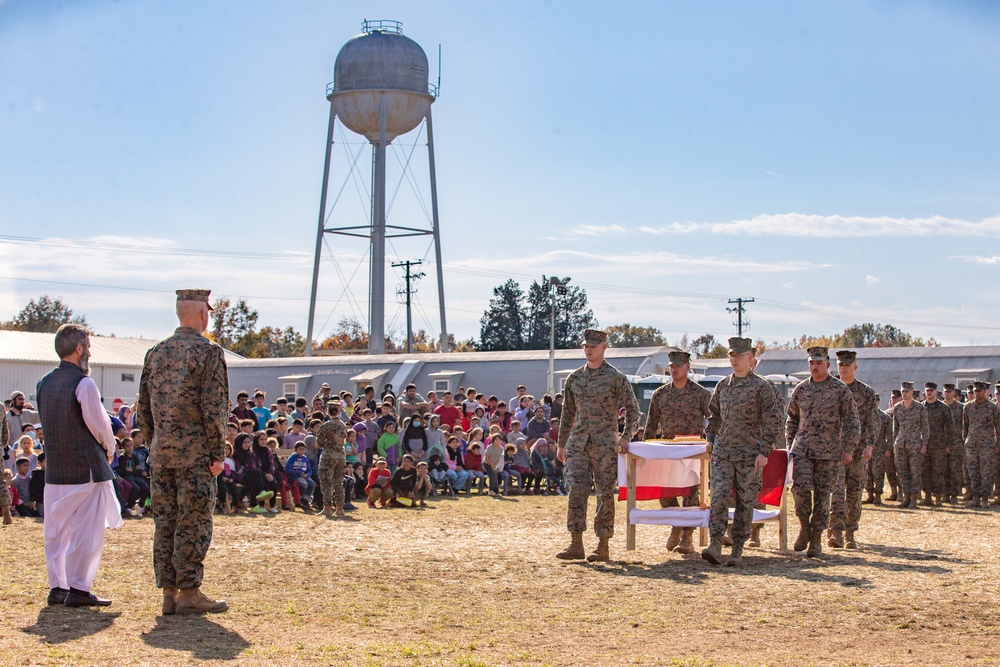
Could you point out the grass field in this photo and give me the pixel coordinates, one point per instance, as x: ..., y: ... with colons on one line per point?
x: 473, y: 582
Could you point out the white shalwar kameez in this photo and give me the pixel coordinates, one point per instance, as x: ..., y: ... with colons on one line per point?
x: 77, y: 514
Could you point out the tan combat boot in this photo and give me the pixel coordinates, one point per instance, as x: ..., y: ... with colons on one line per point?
x: 727, y: 539
x: 713, y: 554
x: 802, y: 541
x: 687, y: 543
x: 339, y: 510
x: 972, y: 503
x: 877, y: 500
x: 736, y: 557
x: 674, y: 539
x: 575, y: 548
x: 193, y: 601
x: 169, y: 601
x: 938, y: 500
x: 815, y: 543
x: 926, y: 501
x: 894, y: 496
x: 7, y: 520
x: 869, y: 499
x: 755, y: 535
x: 836, y: 538
x: 849, y: 541
x: 328, y: 511
x: 601, y: 553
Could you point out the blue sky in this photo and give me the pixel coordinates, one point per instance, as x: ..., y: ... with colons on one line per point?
x: 836, y: 161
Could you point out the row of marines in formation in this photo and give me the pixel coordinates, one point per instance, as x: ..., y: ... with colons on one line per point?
x: 841, y: 443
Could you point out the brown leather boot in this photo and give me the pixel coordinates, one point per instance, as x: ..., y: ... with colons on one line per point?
x: 802, y: 541
x: 736, y: 557
x: 835, y: 538
x: 602, y: 553
x: 674, y: 539
x: 193, y: 601
x: 169, y: 601
x: 575, y: 549
x: 815, y: 543
x: 687, y: 542
x: 849, y: 541
x: 713, y: 554
x: 754, y: 540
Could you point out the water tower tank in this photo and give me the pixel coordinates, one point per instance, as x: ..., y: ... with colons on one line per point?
x: 381, y: 69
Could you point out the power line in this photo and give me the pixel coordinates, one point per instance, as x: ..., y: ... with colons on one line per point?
x: 739, y: 310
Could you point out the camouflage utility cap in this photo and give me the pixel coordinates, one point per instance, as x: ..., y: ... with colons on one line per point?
x: 930, y: 385
x: 949, y: 386
x: 679, y: 358
x: 740, y: 345
x: 594, y: 337
x: 194, y: 295
x: 906, y: 385
x: 847, y: 357
x: 818, y: 353
x: 981, y: 386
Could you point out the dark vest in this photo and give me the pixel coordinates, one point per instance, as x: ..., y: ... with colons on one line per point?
x: 72, y: 453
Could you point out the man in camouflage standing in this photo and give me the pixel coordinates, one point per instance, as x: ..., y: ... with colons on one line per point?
x: 880, y: 452
x: 679, y: 407
x: 744, y: 421
x: 182, y: 411
x: 981, y: 428
x: 941, y: 434
x: 588, y: 435
x: 4, y: 491
x: 845, y: 503
x: 331, y: 436
x: 911, y: 430
x: 955, y: 454
x: 822, y: 432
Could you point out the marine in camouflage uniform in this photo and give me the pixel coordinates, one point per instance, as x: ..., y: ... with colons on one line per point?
x: 981, y: 429
x: 589, y: 438
x: 4, y: 491
x: 845, y: 503
x: 822, y: 431
x: 955, y: 458
x: 745, y: 419
x: 331, y: 436
x: 910, y: 432
x: 941, y: 435
x: 679, y: 410
x: 182, y: 412
x: 877, y: 464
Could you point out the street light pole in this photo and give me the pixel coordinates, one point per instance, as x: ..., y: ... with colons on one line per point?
x: 554, y: 286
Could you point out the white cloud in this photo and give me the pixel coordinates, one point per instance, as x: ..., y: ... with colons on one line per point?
x: 871, y: 280
x: 598, y: 230
x: 837, y: 226
x: 977, y: 259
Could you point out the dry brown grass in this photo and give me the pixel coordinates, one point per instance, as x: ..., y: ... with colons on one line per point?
x: 474, y: 582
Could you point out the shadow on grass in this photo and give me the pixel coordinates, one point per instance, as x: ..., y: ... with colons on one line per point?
x: 202, y: 638
x: 59, y: 624
x: 909, y: 553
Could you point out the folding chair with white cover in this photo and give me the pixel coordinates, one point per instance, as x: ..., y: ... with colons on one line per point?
x: 658, y: 469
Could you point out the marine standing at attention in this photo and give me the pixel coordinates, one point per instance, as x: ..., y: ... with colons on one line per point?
x: 588, y: 435
x: 331, y: 436
x: 679, y: 407
x: 821, y: 432
x: 911, y: 430
x: 182, y: 411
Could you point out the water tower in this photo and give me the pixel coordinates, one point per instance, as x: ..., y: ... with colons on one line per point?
x: 380, y: 90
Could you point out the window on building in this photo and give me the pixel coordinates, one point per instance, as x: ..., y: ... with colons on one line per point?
x: 441, y: 386
x: 128, y: 377
x: 288, y: 389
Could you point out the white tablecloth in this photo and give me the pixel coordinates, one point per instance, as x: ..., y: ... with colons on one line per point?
x: 663, y: 465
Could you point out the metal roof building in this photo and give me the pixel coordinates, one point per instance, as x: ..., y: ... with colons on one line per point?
x: 489, y: 372
x: 884, y: 367
x: 115, y: 363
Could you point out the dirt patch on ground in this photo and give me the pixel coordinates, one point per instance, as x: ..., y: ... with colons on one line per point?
x: 474, y: 582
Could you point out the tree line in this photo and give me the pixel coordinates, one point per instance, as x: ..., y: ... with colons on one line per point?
x: 514, y: 319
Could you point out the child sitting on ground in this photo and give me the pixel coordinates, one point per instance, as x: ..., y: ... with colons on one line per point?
x: 379, y: 488
x: 423, y: 487
x: 509, y: 473
x: 226, y: 484
x: 474, y: 466
x: 439, y: 472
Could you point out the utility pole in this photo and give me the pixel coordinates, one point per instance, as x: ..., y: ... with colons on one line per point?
x: 556, y: 287
x: 739, y: 310
x: 408, y: 290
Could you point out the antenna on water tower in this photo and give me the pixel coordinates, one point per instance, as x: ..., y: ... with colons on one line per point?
x: 380, y: 90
